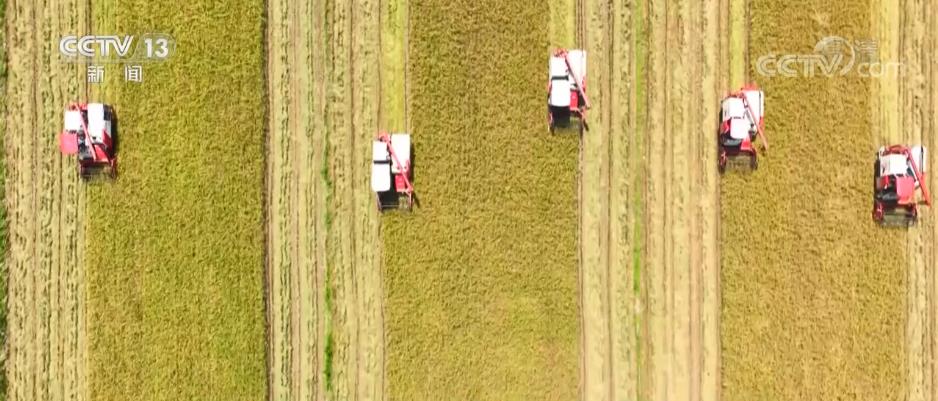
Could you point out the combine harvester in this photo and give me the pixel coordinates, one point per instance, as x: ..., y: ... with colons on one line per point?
x: 391, y: 175
x: 742, y: 119
x: 899, y: 173
x: 89, y: 134
x: 566, y: 89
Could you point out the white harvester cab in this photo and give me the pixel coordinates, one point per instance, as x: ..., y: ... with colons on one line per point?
x: 391, y: 170
x: 563, y: 80
x: 897, y: 164
x: 380, y: 167
x: 742, y: 125
x: 560, y: 83
x: 99, y: 122
x: 73, y: 139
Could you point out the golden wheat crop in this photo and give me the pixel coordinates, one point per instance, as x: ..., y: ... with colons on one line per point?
x: 174, y: 259
x: 481, y: 278
x: 812, y: 289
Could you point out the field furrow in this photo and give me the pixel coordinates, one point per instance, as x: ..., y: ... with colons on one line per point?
x: 45, y: 341
x: 296, y: 200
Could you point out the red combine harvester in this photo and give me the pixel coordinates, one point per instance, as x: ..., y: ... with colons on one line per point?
x: 391, y: 175
x: 899, y: 173
x: 566, y: 89
x: 742, y: 119
x: 89, y: 134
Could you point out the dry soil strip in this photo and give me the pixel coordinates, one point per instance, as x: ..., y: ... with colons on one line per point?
x: 296, y: 207
x: 916, y: 102
x: 596, y: 354
x: 904, y: 107
x: 45, y: 318
x: 899, y: 104
x: 625, y: 19
x: 359, y: 325
x: 610, y: 162
x: 706, y: 254
x: 681, y: 279
x: 596, y: 357
x: 903, y: 113
x: 931, y: 234
x: 368, y: 278
x: 931, y: 140
x: 656, y: 340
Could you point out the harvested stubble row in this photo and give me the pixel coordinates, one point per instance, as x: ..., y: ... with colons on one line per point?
x: 481, y: 278
x: 812, y: 302
x: 175, y: 298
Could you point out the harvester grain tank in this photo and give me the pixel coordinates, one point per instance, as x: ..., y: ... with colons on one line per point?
x: 391, y: 174
x: 89, y: 134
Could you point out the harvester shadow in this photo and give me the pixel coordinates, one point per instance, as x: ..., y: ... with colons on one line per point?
x: 115, y: 135
x: 413, y: 176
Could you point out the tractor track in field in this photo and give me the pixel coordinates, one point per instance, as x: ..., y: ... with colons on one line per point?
x: 45, y: 344
x: 657, y: 379
x: 918, y: 118
x: 903, y: 112
x: 579, y: 29
x: 931, y: 235
x: 358, y: 318
x: 681, y: 278
x: 596, y: 353
x: 295, y: 197
x: 609, y: 173
x: 715, y: 77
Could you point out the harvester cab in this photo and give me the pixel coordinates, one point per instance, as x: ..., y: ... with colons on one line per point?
x: 89, y: 134
x: 391, y: 174
x: 742, y: 119
x: 899, y: 176
x: 566, y: 89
